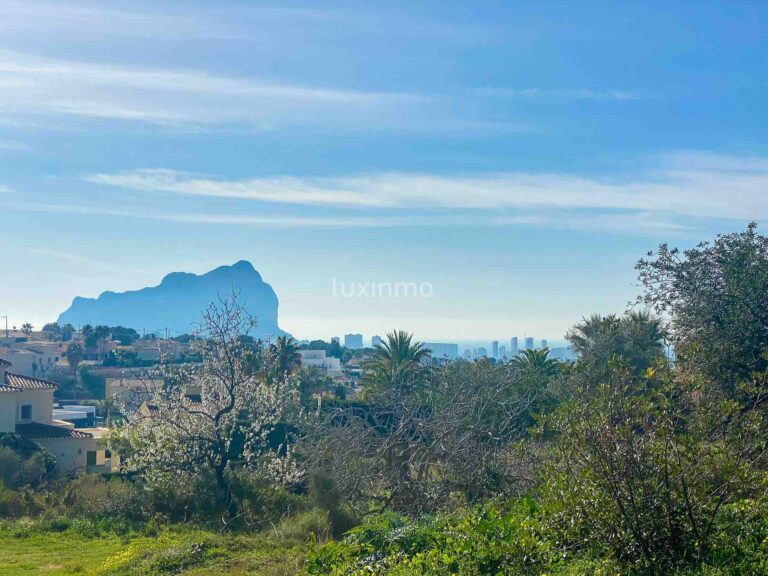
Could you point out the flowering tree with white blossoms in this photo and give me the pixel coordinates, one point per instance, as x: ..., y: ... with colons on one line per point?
x: 176, y: 435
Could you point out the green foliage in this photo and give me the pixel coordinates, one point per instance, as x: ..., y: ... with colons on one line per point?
x: 334, y: 349
x: 15, y: 503
x: 82, y: 547
x: 94, y: 498
x: 286, y: 354
x: 535, y: 366
x: 126, y: 336
x: 489, y: 539
x: 92, y: 382
x: 636, y: 339
x: 519, y: 539
x: 644, y: 467
x: 396, y: 368
x: 716, y: 295
x: 24, y: 462
x: 304, y: 526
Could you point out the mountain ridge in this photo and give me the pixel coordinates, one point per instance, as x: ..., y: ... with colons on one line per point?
x: 178, y: 301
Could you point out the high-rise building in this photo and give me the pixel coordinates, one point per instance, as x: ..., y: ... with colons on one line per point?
x: 502, y: 352
x: 335, y: 339
x: 481, y: 352
x: 514, y: 350
x: 544, y: 343
x: 468, y: 354
x: 375, y: 341
x: 529, y: 343
x: 353, y: 341
x: 495, y: 349
x: 441, y: 350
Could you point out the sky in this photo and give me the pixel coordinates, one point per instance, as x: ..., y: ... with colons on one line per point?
x: 512, y: 160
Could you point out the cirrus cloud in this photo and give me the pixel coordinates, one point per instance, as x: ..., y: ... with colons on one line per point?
x: 688, y: 184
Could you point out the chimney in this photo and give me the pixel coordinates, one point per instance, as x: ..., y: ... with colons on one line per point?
x: 4, y: 365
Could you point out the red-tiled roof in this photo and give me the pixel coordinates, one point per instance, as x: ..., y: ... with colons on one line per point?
x: 4, y: 388
x: 28, y: 383
x: 37, y: 430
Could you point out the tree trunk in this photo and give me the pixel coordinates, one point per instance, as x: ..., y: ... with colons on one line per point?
x: 226, y: 491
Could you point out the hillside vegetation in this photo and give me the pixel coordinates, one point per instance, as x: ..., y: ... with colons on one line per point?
x: 646, y: 456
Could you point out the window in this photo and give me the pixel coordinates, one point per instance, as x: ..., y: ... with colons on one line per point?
x: 26, y: 411
x: 90, y: 458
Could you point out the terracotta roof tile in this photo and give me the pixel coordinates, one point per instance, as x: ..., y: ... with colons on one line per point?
x: 28, y: 383
x: 4, y: 388
x: 42, y: 431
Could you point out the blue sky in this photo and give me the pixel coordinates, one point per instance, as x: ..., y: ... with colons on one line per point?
x: 518, y: 157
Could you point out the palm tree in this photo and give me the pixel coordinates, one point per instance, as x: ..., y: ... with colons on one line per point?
x: 535, y: 366
x: 637, y: 338
x: 27, y: 328
x: 101, y: 333
x: 592, y: 332
x: 286, y: 351
x: 74, y: 356
x: 397, y: 364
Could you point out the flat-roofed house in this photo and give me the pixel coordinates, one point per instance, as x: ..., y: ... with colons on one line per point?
x: 26, y: 409
x: 317, y: 358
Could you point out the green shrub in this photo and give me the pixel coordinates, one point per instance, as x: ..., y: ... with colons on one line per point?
x: 304, y: 526
x: 260, y: 502
x: 326, y: 495
x: 94, y: 498
x: 12, y: 504
x: 486, y: 540
x: 24, y: 462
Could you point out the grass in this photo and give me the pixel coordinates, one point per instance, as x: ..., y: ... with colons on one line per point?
x: 32, y: 549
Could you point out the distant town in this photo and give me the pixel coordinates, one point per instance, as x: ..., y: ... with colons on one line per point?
x: 63, y: 385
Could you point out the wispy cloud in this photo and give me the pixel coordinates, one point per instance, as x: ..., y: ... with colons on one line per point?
x: 39, y: 86
x: 91, y: 263
x: 682, y: 184
x: 5, y: 189
x: 563, y: 94
x: 20, y: 16
x: 615, y: 222
x: 236, y: 219
x: 14, y: 146
x: 67, y: 92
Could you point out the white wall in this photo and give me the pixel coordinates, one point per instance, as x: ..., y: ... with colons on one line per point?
x: 21, y: 360
x: 70, y: 453
x: 8, y: 411
x: 41, y: 402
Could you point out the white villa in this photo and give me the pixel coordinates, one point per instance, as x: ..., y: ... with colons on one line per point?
x: 26, y: 409
x: 318, y: 359
x: 35, y: 359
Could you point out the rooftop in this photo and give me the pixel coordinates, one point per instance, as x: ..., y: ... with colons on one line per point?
x: 27, y: 382
x: 41, y: 431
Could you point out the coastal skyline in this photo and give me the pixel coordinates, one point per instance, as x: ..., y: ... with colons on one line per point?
x: 517, y: 160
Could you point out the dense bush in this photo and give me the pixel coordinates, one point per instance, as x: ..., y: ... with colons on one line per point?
x: 23, y: 462
x: 94, y: 497
x: 517, y: 540
x: 489, y: 539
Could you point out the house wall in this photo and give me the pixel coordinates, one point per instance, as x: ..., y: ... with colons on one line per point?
x: 8, y: 411
x: 42, y: 404
x: 47, y: 356
x: 118, y: 386
x: 70, y: 453
x: 21, y: 360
